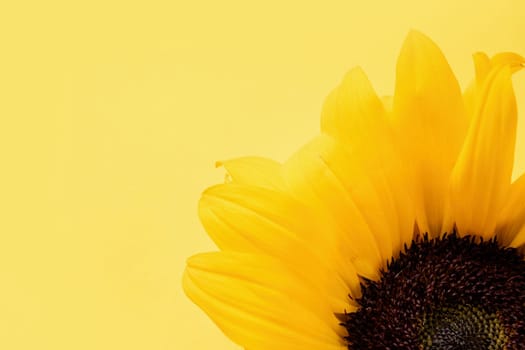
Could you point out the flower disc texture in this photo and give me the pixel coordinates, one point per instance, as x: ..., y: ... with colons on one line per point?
x: 303, y: 243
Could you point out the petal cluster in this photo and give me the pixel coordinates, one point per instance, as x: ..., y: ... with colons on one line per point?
x: 295, y: 238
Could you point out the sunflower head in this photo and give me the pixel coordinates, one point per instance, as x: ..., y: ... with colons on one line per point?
x: 449, y: 292
x: 398, y: 227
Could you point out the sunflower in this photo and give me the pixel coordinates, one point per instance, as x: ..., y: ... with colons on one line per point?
x: 398, y: 227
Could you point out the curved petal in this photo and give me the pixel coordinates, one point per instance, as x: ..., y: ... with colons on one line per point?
x: 312, y: 181
x: 256, y: 171
x: 512, y: 60
x: 369, y: 191
x: 257, y: 220
x: 363, y: 156
x: 369, y: 183
x: 429, y: 119
x: 259, y: 304
x: 483, y: 65
x: 481, y: 178
x: 512, y: 217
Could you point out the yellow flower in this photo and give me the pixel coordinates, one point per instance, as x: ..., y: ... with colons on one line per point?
x: 397, y: 227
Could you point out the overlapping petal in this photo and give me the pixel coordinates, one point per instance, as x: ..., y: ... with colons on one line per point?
x: 257, y: 220
x: 483, y: 65
x: 366, y: 160
x: 311, y: 180
x: 352, y: 113
x: 260, y: 304
x: 480, y: 181
x: 430, y: 121
x: 255, y: 171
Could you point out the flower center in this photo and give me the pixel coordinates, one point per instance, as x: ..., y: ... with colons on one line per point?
x: 443, y: 293
x: 462, y: 327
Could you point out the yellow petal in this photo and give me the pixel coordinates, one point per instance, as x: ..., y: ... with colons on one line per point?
x: 353, y: 113
x: 388, y: 103
x: 483, y: 65
x: 313, y: 181
x: 519, y: 240
x: 355, y: 117
x: 512, y: 60
x: 369, y: 183
x: 429, y: 119
x: 258, y: 220
x: 247, y: 218
x: 256, y: 171
x: 259, y: 304
x: 481, y: 179
x: 512, y: 218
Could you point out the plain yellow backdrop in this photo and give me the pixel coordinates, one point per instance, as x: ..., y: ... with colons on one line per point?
x: 113, y: 114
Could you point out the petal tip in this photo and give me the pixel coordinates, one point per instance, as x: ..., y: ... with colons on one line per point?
x: 356, y: 81
x: 418, y: 49
x: 510, y: 59
x: 416, y: 37
x: 199, y: 261
x: 481, y: 64
x: 354, y: 71
x: 414, y: 33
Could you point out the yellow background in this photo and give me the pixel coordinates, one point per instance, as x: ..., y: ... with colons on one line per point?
x: 111, y: 118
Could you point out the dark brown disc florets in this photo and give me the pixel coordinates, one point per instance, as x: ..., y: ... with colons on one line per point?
x: 443, y: 294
